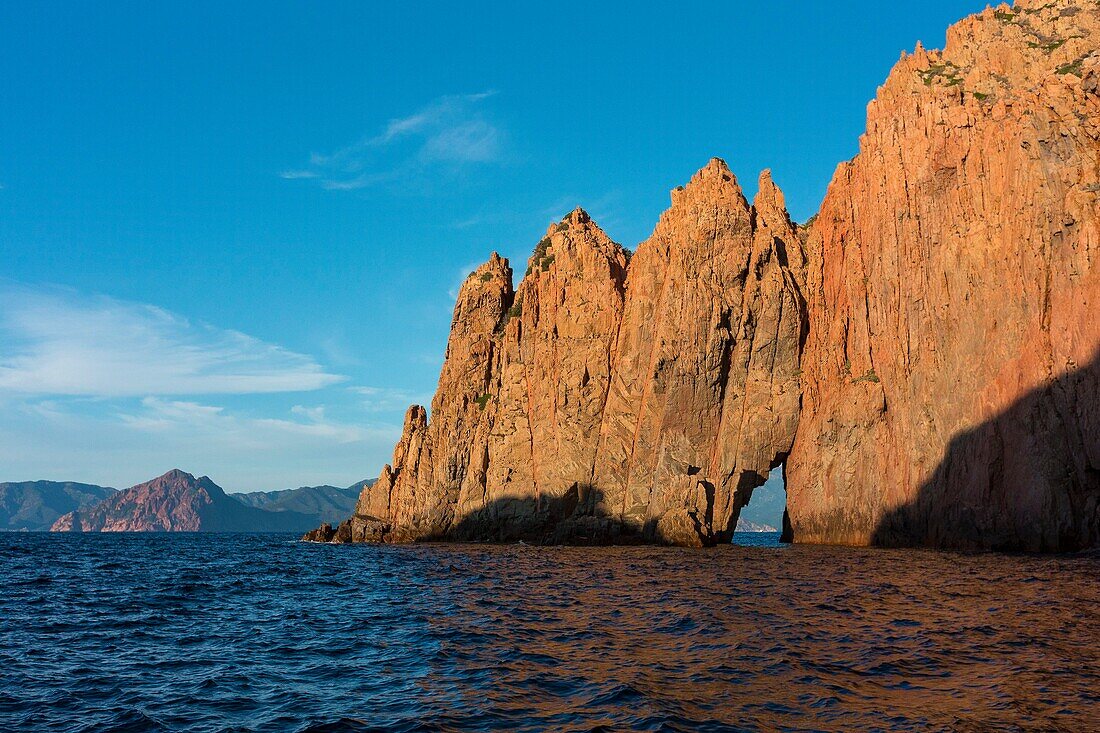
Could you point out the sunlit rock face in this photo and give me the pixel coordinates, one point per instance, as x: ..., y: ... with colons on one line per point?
x: 950, y: 377
x: 610, y: 398
x: 923, y: 358
x: 704, y: 398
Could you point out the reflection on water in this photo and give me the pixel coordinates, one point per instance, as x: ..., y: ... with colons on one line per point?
x: 252, y: 632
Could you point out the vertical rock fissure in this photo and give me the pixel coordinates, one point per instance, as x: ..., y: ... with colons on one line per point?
x: 650, y: 379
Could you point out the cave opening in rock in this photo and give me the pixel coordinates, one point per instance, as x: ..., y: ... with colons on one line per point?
x: 761, y: 520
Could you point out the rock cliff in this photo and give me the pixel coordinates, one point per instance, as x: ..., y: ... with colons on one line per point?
x: 950, y: 390
x: 610, y: 398
x: 923, y: 358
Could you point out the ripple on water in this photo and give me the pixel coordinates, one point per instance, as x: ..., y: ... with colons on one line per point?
x: 260, y: 632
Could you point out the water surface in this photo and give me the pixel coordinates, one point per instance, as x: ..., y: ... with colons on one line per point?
x: 260, y: 632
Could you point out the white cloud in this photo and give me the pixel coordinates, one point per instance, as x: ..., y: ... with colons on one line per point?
x: 386, y: 399
x: 248, y: 433
x: 55, y: 341
x: 429, y: 119
x: 315, y: 414
x: 294, y: 175
x: 471, y: 221
x: 451, y: 130
x: 469, y: 142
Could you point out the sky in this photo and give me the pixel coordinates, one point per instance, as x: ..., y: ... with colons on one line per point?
x: 231, y: 233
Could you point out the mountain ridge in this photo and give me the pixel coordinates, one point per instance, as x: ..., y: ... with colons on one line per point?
x: 327, y: 503
x: 36, y: 505
x: 179, y: 502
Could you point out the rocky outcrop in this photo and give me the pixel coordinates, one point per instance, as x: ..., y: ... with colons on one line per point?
x: 704, y: 400
x: 609, y: 398
x: 177, y: 502
x: 950, y: 390
x: 929, y: 344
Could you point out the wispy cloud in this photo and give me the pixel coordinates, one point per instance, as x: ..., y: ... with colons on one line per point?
x: 58, y: 341
x: 468, y: 222
x: 314, y: 414
x: 387, y: 399
x: 453, y: 130
x: 214, y: 422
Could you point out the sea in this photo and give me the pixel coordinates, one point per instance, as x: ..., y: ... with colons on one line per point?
x: 261, y: 632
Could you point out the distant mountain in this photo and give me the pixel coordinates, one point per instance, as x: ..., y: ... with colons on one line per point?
x: 33, y: 506
x: 743, y: 525
x: 178, y: 502
x: 324, y: 503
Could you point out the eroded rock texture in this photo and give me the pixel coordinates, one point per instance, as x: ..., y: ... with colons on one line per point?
x: 940, y: 320
x: 609, y: 399
x: 950, y: 389
x: 704, y: 396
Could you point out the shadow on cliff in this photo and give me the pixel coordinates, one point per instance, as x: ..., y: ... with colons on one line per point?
x: 578, y: 517
x: 1026, y: 480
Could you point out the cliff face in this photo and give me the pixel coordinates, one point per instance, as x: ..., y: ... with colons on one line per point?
x: 929, y: 345
x: 609, y: 398
x: 950, y: 391
x: 704, y: 399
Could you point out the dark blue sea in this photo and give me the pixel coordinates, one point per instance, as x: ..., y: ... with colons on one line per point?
x: 190, y: 632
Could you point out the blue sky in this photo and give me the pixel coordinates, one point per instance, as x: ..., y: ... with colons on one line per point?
x: 231, y: 233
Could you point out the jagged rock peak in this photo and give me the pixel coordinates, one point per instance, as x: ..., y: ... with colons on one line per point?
x: 577, y: 216
x: 483, y: 298
x: 1003, y: 52
x: 577, y: 220
x: 773, y: 228
x: 492, y: 274
x: 572, y: 241
x: 495, y: 265
x: 715, y: 170
x: 769, y: 198
x: 714, y: 182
